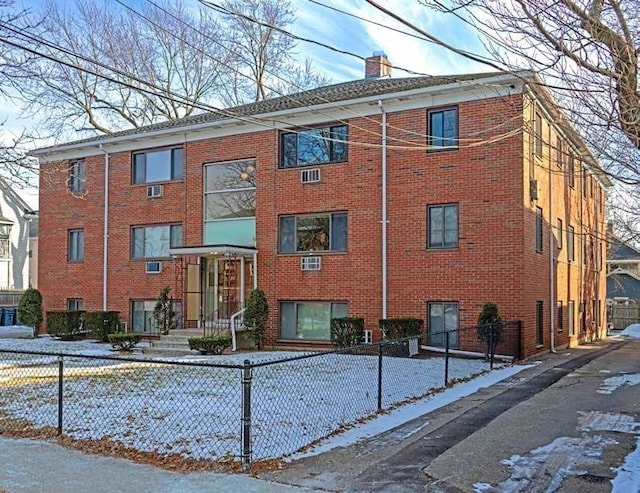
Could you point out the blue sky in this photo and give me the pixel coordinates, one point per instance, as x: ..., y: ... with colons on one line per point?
x: 356, y: 36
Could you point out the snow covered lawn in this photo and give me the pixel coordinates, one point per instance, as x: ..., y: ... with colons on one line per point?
x: 16, y: 332
x: 632, y: 331
x: 195, y: 411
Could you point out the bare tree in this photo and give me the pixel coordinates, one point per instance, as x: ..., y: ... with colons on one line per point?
x: 587, y: 52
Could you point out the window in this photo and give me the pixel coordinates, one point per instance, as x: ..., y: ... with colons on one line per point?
x: 571, y: 171
x: 537, y: 138
x: 75, y: 304
x: 539, y: 323
x: 321, y: 145
x: 539, y: 224
x: 75, y: 248
x: 157, y: 166
x: 560, y: 153
x: 559, y: 233
x: 443, y: 128
x: 584, y: 179
x: 313, y: 233
x: 443, y: 226
x: 230, y: 190
x: 571, y: 309
x: 560, y: 321
x: 309, y: 320
x: 597, y: 311
x: 151, y: 242
x: 5, y: 243
x: 571, y: 256
x: 76, y: 176
x: 443, y: 317
x: 142, y: 320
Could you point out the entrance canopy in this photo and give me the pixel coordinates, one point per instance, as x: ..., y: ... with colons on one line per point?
x: 212, y: 250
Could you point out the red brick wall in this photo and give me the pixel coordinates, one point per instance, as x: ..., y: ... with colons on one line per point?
x: 495, y: 259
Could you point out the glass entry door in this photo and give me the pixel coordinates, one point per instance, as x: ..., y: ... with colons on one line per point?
x: 229, y: 283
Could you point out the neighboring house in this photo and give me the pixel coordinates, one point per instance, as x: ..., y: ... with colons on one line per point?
x: 490, y: 196
x: 623, y: 272
x: 18, y: 230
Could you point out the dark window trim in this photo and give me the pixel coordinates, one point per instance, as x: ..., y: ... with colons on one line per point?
x: 156, y: 149
x: 560, y: 227
x: 315, y: 252
x: 442, y: 302
x: 441, y: 109
x: 560, y: 316
x: 296, y: 301
x: 539, y: 230
x: 132, y: 246
x: 539, y: 323
x: 537, y: 135
x: 77, y: 183
x: 443, y: 247
x: 75, y: 301
x: 571, y: 170
x: 81, y: 256
x: 299, y: 130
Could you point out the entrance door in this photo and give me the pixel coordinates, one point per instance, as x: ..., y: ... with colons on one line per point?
x: 229, y: 282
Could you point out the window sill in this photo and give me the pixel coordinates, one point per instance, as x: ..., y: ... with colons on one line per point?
x: 443, y: 249
x: 443, y: 149
x: 164, y: 182
x: 332, y: 163
x: 75, y: 261
x: 313, y: 253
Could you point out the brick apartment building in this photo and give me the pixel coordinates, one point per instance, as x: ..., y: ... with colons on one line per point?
x: 422, y: 197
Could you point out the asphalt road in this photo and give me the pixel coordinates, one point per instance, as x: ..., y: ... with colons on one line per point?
x: 550, y: 428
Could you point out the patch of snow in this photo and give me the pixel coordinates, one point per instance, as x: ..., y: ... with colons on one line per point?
x: 545, y: 468
x: 16, y: 332
x: 597, y: 421
x: 481, y: 487
x: 412, y: 411
x: 612, y: 384
x: 195, y: 411
x: 632, y: 330
x: 628, y: 475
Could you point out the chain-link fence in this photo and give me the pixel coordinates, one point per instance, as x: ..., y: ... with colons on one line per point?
x: 229, y: 413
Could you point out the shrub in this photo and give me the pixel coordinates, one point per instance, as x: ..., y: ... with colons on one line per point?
x: 30, y: 308
x: 347, y: 331
x: 399, y: 328
x: 210, y: 345
x: 255, y: 316
x: 67, y: 325
x: 490, y: 327
x: 164, y: 315
x: 101, y: 324
x: 121, y: 341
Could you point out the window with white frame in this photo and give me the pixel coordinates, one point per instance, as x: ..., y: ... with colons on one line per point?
x: 230, y: 190
x: 311, y: 147
x: 158, y: 166
x: 5, y: 242
x: 75, y: 245
x: 154, y: 242
x: 309, y: 320
x: 443, y: 226
x: 77, y: 176
x: 314, y: 233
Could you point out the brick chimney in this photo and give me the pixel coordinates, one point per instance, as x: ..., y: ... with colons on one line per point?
x: 377, y: 66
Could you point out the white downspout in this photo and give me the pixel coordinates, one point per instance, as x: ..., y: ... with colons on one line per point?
x: 255, y: 271
x: 552, y: 280
x: 384, y: 209
x: 105, y: 239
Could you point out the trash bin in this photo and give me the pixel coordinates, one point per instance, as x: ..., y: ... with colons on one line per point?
x: 8, y: 316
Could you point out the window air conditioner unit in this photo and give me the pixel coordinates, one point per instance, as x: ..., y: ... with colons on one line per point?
x: 310, y: 175
x: 154, y: 191
x: 368, y: 336
x: 533, y: 189
x: 310, y: 263
x: 154, y: 267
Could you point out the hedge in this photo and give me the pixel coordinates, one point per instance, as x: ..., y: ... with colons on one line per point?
x: 101, y: 324
x: 399, y: 328
x: 347, y: 331
x: 210, y: 345
x: 67, y: 324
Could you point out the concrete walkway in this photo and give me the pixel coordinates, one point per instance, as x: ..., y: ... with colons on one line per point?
x: 34, y: 466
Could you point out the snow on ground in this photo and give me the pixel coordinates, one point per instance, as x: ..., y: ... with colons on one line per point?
x: 628, y: 475
x: 195, y: 411
x: 632, y: 331
x: 16, y: 332
x: 612, y: 384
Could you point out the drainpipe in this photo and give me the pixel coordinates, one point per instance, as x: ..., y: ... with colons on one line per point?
x: 105, y: 239
x: 384, y: 209
x: 552, y: 280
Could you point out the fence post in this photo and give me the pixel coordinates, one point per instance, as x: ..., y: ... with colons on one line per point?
x: 380, y: 376
x: 491, y: 348
x: 60, y: 382
x: 446, y: 359
x: 246, y: 415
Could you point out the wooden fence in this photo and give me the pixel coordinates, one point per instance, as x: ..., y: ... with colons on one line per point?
x: 622, y: 316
